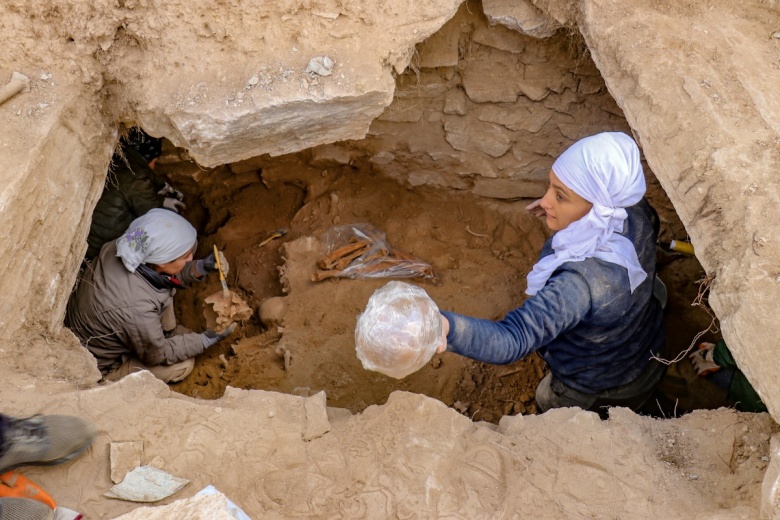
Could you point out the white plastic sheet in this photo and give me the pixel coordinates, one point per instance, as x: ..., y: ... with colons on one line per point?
x: 399, y: 331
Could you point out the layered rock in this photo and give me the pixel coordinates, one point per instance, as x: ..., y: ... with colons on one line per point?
x: 487, y: 108
x: 413, y: 456
x: 705, y: 110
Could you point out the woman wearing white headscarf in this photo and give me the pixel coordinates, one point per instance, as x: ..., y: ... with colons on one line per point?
x: 592, y: 315
x: 118, y: 308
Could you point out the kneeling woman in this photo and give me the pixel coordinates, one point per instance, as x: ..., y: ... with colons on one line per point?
x: 592, y: 314
x: 122, y: 309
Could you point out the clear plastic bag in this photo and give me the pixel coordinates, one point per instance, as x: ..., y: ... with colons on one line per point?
x: 399, y: 331
x: 362, y: 251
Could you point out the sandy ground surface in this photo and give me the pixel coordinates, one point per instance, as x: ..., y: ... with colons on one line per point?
x: 413, y: 457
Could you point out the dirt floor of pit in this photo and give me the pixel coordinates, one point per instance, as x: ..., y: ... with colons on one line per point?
x: 481, y: 248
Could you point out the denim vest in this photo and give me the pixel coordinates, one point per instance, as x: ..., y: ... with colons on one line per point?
x: 593, y: 332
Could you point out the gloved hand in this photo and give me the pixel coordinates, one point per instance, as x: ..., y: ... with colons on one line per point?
x: 209, y: 264
x: 169, y: 192
x: 211, y: 337
x: 174, y: 204
x: 703, y: 359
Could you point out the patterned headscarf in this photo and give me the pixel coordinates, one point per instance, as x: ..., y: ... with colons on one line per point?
x: 158, y: 237
x: 605, y: 170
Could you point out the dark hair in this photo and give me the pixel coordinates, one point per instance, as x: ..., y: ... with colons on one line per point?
x: 149, y: 147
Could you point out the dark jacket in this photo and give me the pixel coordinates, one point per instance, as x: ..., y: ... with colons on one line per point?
x: 116, y: 315
x: 590, y: 329
x: 130, y: 191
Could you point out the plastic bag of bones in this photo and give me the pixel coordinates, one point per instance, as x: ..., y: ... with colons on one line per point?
x: 362, y: 251
x: 399, y: 331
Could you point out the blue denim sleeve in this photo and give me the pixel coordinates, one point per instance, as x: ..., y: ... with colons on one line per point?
x: 556, y: 308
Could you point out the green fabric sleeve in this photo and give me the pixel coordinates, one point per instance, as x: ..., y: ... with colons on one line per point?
x: 722, y: 356
x: 740, y: 390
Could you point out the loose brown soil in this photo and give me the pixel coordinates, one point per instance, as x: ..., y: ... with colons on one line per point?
x: 481, y: 248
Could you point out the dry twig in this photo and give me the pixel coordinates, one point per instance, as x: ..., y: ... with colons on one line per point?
x: 699, y: 301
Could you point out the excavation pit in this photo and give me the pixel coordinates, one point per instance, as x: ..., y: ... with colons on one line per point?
x: 482, y: 249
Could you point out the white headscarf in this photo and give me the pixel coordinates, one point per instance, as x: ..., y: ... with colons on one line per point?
x: 158, y: 237
x: 605, y: 170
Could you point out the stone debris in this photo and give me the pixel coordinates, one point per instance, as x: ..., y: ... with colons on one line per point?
x: 325, y: 14
x: 146, y: 484
x: 770, y: 488
x: 321, y: 65
x: 522, y: 16
x: 254, y: 80
x: 330, y: 155
x: 125, y: 457
x: 317, y: 423
x: 19, y: 83
x: 206, y: 504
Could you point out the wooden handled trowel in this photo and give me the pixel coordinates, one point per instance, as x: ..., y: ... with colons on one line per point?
x: 225, y: 291
x: 224, y: 307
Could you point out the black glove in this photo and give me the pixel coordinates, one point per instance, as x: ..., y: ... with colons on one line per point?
x: 209, y: 264
x: 211, y: 337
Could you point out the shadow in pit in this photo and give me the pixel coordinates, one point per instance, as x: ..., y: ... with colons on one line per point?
x: 682, y: 390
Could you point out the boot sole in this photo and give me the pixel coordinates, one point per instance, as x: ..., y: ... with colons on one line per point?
x: 55, y: 462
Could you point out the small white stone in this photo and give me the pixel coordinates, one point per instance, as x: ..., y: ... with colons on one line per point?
x: 321, y: 65
x: 271, y: 414
x: 254, y: 80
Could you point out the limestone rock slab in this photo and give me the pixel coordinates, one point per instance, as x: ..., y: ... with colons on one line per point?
x: 198, y: 507
x: 520, y: 15
x: 509, y: 188
x: 413, y: 454
x: 125, y: 457
x: 317, y: 423
x: 231, y: 83
x: 708, y: 122
x: 493, y: 80
x: 441, y: 49
x: 466, y: 134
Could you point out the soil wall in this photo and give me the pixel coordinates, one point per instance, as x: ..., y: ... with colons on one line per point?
x: 700, y: 103
x: 696, y: 82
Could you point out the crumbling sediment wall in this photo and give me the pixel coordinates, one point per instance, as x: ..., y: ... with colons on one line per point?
x: 486, y: 108
x: 225, y: 82
x: 229, y: 82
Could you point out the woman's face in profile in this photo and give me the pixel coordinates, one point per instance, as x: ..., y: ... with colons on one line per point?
x: 562, y: 205
x: 174, y: 267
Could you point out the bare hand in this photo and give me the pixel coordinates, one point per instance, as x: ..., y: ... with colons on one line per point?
x: 445, y: 329
x: 536, y: 209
